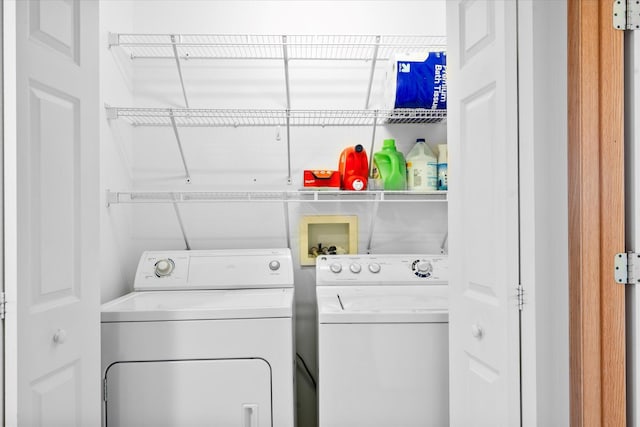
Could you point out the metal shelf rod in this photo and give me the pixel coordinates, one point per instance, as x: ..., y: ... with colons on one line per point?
x: 175, y: 54
x: 286, y: 79
x: 286, y: 69
x: 444, y: 243
x: 184, y: 162
x: 372, y: 226
x: 372, y: 72
x: 373, y: 141
x: 285, y: 206
x: 288, y: 148
x: 181, y: 224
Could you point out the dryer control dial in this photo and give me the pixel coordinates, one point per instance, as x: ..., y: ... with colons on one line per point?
x: 274, y: 265
x: 164, y: 267
x: 336, y: 267
x: 374, y: 268
x: 355, y: 268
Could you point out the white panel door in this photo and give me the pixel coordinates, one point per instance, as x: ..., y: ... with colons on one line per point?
x: 225, y: 393
x: 52, y: 201
x: 483, y: 213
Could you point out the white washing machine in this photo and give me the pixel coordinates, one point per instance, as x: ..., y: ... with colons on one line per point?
x: 382, y: 340
x: 206, y: 339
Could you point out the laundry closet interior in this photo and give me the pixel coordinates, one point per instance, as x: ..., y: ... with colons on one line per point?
x: 208, y: 151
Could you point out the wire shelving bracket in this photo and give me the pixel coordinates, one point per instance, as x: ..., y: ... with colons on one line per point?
x: 177, y: 135
x: 175, y: 39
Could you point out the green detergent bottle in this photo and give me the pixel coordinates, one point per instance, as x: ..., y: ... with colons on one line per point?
x: 390, y: 166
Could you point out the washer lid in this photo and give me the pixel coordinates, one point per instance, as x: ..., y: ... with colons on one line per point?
x: 382, y: 304
x: 199, y: 305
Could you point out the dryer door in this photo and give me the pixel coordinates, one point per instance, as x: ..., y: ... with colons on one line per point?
x: 234, y: 392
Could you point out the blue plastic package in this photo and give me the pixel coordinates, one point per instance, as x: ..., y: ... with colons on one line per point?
x: 422, y: 84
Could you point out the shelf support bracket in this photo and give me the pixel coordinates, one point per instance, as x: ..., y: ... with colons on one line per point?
x: 285, y: 56
x: 374, y: 60
x: 175, y: 132
x: 373, y: 141
x: 444, y: 243
x: 112, y: 112
x: 372, y: 225
x: 288, y: 147
x: 179, y: 217
x: 113, y: 39
x: 174, y: 40
x: 285, y: 206
x: 111, y: 198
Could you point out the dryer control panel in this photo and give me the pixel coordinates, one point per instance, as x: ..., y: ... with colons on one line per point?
x: 392, y: 269
x: 215, y: 269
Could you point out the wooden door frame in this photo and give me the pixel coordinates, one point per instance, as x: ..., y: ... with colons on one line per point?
x: 596, y: 214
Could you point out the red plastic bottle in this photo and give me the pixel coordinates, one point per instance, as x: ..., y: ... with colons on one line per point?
x: 354, y: 168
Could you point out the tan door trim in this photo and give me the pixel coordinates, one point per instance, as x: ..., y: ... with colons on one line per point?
x: 596, y: 214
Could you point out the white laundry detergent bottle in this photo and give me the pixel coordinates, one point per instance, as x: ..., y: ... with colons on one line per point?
x: 443, y: 167
x: 422, y: 168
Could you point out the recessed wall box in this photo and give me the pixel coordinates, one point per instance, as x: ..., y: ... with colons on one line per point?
x: 327, y: 234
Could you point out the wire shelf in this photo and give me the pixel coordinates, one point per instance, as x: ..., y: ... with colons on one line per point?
x: 189, y: 197
x: 192, y: 117
x: 297, y: 47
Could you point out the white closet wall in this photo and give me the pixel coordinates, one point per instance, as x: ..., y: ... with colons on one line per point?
x: 116, y: 154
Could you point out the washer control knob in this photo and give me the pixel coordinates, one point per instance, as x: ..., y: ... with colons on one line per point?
x: 336, y: 267
x: 424, y: 267
x: 164, y: 267
x: 355, y: 268
x: 374, y: 268
x: 274, y: 265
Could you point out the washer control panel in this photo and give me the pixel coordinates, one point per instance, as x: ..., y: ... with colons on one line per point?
x: 215, y: 269
x: 381, y: 269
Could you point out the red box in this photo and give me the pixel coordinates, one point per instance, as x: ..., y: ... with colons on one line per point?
x: 322, y: 178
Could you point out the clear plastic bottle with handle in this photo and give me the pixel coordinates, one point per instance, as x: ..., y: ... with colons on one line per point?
x: 422, y: 168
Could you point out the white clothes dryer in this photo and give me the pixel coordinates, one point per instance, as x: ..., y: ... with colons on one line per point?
x: 206, y: 338
x: 382, y: 341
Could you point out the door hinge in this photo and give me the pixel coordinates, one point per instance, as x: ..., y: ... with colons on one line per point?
x: 3, y: 305
x: 626, y: 268
x: 626, y: 14
x: 520, y: 295
x: 104, y: 389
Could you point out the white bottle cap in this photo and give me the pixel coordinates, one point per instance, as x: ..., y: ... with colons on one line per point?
x: 442, y: 153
